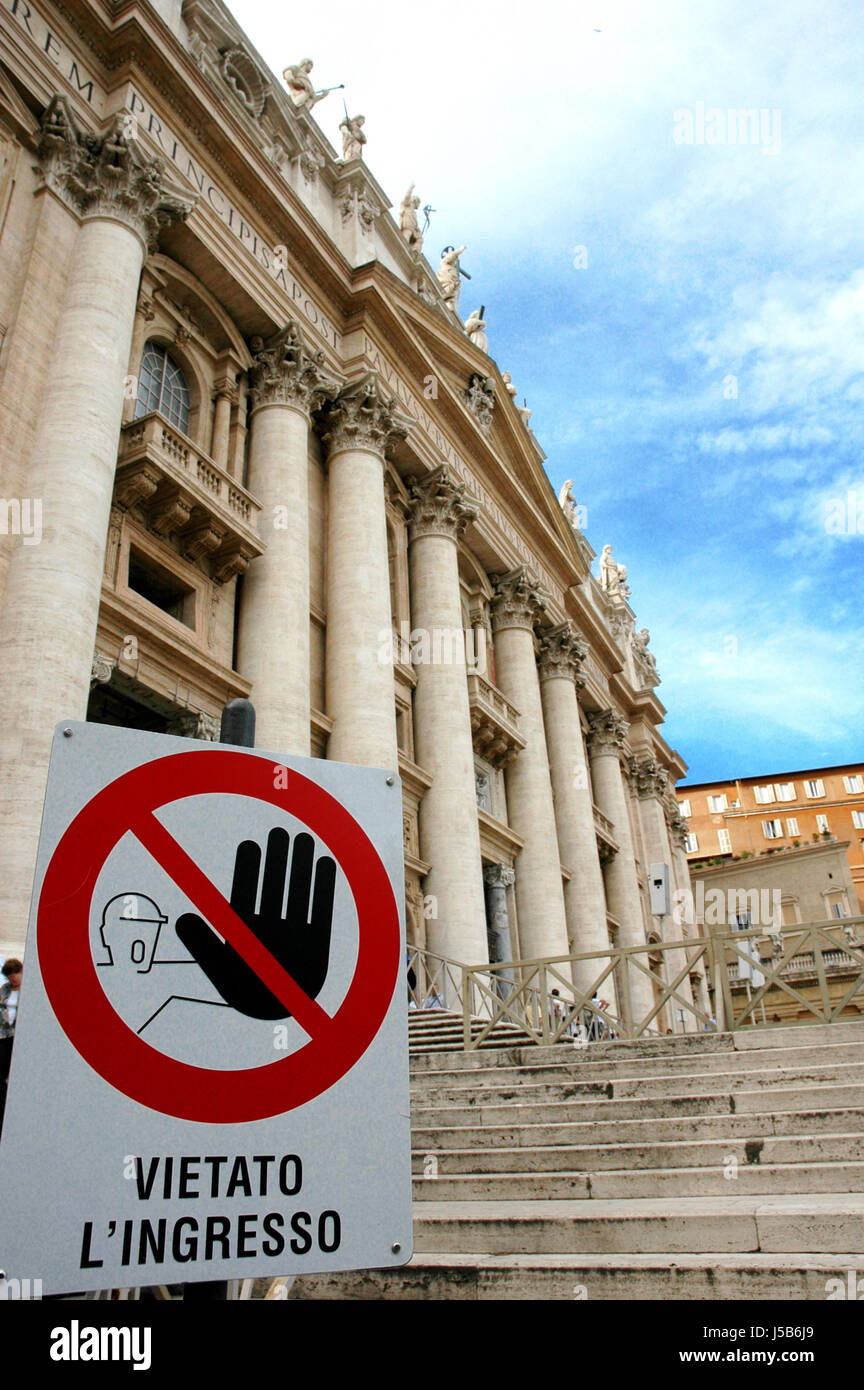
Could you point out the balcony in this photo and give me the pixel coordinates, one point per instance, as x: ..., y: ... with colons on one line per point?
x: 835, y: 963
x: 180, y: 491
x: 605, y: 832
x: 494, y: 722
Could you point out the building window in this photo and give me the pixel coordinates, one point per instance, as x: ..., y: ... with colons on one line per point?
x: 763, y: 795
x: 858, y: 820
x: 784, y: 791
x: 161, y: 588
x: 791, y: 825
x: 691, y: 844
x: 836, y: 904
x: 772, y: 829
x: 716, y: 803
x: 822, y: 823
x: 814, y: 788
x: 854, y: 784
x: 162, y: 387
x: 725, y: 841
x: 684, y: 808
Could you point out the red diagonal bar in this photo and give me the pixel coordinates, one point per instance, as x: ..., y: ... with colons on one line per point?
x: 221, y: 916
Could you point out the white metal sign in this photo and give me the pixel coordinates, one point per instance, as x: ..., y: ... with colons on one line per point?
x: 210, y: 1073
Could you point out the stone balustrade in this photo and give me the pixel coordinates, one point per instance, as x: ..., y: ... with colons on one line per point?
x: 494, y: 722
x: 180, y: 489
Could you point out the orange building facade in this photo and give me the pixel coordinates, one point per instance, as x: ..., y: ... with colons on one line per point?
x: 751, y: 816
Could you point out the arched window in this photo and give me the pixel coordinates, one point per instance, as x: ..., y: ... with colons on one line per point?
x: 162, y: 387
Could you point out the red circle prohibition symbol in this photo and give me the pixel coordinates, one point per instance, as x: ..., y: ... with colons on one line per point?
x: 109, y: 1045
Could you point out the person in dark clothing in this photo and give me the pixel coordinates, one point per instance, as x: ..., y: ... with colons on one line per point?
x: 8, y: 1012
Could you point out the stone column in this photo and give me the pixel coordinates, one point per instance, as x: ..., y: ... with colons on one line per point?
x: 27, y: 349
x: 287, y: 382
x: 519, y: 602
x: 606, y: 745
x: 676, y: 829
x: 226, y: 397
x: 51, y: 605
x: 561, y: 657
x: 144, y: 316
x: 498, y: 879
x: 652, y: 784
x: 449, y: 832
x: 357, y: 429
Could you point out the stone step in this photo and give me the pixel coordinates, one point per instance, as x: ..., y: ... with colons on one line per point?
x: 806, y: 1149
x: 787, y: 1098
x: 578, y: 1065
x: 664, y: 1275
x: 500, y: 1117
x: 816, y: 1223
x: 816, y: 1036
x: 572, y: 1087
x: 652, y: 1128
x: 621, y: 1185
x: 607, y: 1172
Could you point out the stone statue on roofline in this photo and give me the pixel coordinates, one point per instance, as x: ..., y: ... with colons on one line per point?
x: 408, y: 224
x: 613, y: 577
x: 645, y: 661
x: 475, y: 327
x: 513, y: 393
x: 575, y: 514
x: 300, y: 85
x: 449, y: 276
x: 353, y: 138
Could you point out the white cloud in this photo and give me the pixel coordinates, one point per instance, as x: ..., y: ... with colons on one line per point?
x: 763, y: 439
x: 788, y: 340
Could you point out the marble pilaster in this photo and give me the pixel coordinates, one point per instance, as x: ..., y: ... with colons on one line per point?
x: 51, y: 607
x: 519, y: 603
x: 606, y: 747
x: 287, y: 382
x: 357, y: 429
x: 561, y: 656
x: 652, y: 784
x: 449, y: 832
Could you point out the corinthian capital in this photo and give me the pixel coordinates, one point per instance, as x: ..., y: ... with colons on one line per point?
x: 562, y: 654
x: 679, y: 829
x: 362, y: 416
x: 286, y: 372
x: 498, y: 876
x: 438, y: 505
x: 608, y: 732
x: 107, y: 175
x: 519, y: 600
x: 649, y: 778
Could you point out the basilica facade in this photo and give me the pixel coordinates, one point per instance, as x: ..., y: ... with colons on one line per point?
x: 250, y: 449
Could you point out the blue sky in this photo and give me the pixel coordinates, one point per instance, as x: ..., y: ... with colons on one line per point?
x: 701, y: 378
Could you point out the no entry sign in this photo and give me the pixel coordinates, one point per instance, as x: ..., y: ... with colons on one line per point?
x: 210, y: 1070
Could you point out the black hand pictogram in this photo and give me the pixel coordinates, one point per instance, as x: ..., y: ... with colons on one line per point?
x: 299, y: 938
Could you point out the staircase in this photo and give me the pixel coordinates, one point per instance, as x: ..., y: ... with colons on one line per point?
x: 436, y: 1030
x: 722, y: 1166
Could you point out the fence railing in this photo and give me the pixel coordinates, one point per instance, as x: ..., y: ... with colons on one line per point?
x: 718, y: 982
